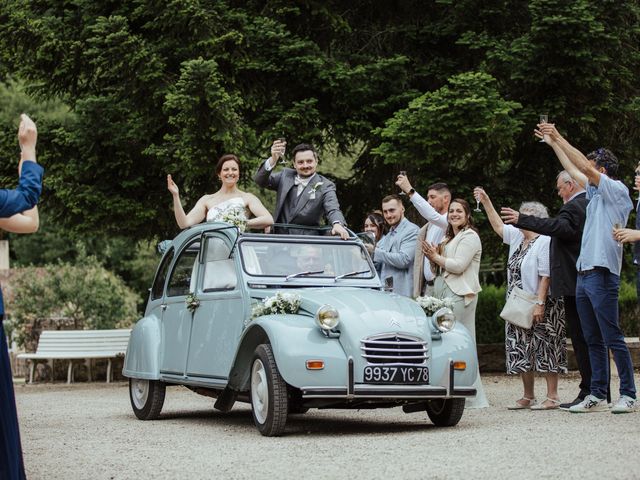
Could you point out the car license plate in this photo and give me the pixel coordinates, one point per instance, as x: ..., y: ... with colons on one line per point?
x: 396, y: 375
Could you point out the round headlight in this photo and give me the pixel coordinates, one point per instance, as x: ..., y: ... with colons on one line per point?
x: 444, y: 320
x: 327, y: 317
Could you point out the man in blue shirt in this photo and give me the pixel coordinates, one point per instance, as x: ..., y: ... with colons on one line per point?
x: 599, y: 266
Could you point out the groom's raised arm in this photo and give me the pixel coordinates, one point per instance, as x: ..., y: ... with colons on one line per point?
x: 264, y: 176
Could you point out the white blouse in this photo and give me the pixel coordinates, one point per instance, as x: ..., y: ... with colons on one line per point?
x: 535, y: 263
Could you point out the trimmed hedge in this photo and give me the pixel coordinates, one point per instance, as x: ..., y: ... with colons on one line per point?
x: 490, y: 327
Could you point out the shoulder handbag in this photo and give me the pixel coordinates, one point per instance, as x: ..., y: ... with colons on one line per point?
x: 518, y: 309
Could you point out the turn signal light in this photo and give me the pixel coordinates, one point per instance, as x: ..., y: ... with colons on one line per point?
x: 315, y: 364
x: 459, y: 365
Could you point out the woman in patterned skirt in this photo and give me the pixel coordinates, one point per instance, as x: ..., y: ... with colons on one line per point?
x: 541, y: 348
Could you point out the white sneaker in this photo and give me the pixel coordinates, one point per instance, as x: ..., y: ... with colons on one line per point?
x: 624, y: 405
x: 590, y: 404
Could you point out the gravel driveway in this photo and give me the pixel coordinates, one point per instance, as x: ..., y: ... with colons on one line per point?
x: 88, y: 431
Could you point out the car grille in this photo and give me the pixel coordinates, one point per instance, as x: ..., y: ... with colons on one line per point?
x: 394, y: 349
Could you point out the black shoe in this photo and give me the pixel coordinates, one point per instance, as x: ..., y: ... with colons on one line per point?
x: 568, y: 405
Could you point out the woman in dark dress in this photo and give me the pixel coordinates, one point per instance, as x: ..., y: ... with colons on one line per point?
x: 18, y: 214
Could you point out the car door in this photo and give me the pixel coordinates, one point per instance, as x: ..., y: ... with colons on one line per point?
x: 219, y: 320
x: 176, y: 318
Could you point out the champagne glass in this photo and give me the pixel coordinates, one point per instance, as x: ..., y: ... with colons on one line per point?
x: 616, y: 226
x: 477, y: 209
x: 283, y: 150
x: 404, y: 174
x: 543, y: 119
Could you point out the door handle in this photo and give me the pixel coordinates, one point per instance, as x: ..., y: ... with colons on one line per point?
x: 163, y: 306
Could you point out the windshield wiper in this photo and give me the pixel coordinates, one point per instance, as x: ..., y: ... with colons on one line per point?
x: 303, y: 274
x: 351, y: 274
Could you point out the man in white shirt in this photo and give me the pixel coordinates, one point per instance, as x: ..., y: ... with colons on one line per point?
x: 434, y: 210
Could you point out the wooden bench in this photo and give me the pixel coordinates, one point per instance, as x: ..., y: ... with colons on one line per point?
x: 76, y: 344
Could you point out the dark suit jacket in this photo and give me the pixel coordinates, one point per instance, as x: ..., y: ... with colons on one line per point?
x: 310, y: 208
x: 565, y: 231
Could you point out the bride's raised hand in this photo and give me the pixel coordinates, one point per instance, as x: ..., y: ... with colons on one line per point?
x: 172, y: 187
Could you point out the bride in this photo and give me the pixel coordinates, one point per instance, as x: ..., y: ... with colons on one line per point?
x: 229, y: 197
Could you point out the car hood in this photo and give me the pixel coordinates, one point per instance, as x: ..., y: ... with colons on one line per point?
x: 364, y: 312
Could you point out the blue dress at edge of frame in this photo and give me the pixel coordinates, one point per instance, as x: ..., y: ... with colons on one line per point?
x: 24, y: 197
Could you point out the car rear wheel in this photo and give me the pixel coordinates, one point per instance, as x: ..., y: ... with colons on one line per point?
x: 445, y: 413
x: 269, y: 402
x: 147, y: 397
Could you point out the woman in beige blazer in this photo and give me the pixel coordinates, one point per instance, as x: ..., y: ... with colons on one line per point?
x: 457, y: 260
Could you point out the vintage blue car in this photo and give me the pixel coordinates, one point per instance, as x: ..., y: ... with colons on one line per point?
x: 288, y: 323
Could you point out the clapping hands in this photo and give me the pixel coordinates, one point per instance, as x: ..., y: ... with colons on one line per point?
x: 430, y: 250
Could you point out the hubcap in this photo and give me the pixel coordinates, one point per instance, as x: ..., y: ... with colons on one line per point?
x: 139, y: 392
x: 259, y: 391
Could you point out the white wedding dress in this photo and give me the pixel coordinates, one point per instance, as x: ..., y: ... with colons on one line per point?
x: 215, y: 214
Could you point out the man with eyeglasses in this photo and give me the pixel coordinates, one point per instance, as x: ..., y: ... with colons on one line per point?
x: 565, y: 231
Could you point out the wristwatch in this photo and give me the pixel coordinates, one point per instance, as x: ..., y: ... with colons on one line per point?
x: 411, y: 192
x: 539, y: 302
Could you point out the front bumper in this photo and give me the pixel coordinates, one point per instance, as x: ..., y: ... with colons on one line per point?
x: 388, y: 392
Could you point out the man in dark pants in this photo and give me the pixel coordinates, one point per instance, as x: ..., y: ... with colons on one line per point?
x: 565, y: 231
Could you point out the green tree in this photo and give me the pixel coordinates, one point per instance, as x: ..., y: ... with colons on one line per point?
x: 165, y: 87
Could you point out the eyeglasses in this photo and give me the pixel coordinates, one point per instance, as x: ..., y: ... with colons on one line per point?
x: 564, y: 183
x: 637, y: 173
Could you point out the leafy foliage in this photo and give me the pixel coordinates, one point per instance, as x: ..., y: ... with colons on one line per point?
x: 86, y: 293
x: 447, y: 90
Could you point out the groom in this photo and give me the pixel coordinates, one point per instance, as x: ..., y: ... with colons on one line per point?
x: 303, y: 196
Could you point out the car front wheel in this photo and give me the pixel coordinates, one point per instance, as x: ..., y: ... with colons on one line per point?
x: 445, y: 413
x: 147, y: 397
x: 269, y: 401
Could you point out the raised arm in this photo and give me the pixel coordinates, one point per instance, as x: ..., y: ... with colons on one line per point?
x: 423, y: 206
x: 263, y: 176
x: 197, y: 213
x: 492, y: 215
x: 572, y: 159
x: 26, y: 195
x: 25, y: 222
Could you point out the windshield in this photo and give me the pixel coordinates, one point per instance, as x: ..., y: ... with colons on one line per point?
x: 305, y: 260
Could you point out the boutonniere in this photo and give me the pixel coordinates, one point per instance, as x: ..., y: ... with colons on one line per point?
x: 192, y: 302
x: 312, y: 192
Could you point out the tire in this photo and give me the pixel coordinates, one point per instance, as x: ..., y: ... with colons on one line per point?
x: 147, y: 397
x: 445, y: 413
x: 269, y: 402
